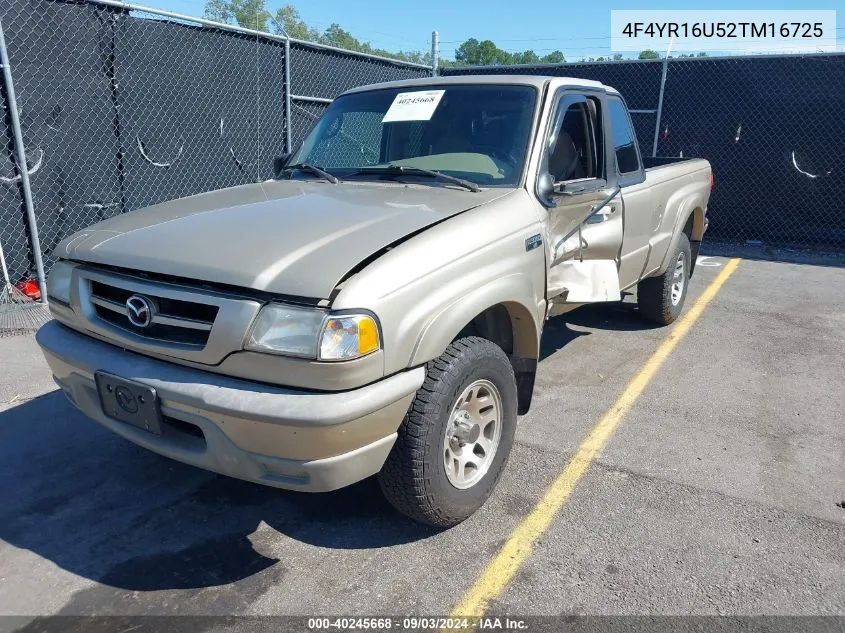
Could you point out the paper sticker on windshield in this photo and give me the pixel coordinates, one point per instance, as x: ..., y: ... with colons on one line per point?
x: 413, y: 106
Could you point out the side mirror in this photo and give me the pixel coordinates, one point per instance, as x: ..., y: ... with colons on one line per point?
x: 279, y: 164
x: 546, y: 189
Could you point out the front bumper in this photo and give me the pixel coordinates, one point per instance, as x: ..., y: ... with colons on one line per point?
x: 287, y: 438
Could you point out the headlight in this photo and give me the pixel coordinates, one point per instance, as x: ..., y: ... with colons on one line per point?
x: 312, y: 333
x: 58, y: 282
x: 286, y: 330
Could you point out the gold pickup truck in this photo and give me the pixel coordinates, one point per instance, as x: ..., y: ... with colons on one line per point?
x: 377, y: 307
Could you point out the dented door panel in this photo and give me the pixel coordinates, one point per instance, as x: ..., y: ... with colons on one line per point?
x: 584, y: 263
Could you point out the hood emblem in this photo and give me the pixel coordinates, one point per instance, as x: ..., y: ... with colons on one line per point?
x: 139, y: 310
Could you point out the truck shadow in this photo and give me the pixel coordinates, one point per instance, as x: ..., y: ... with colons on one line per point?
x: 101, y: 508
x: 622, y: 316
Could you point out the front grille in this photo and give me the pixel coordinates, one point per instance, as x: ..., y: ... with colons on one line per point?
x: 171, y: 320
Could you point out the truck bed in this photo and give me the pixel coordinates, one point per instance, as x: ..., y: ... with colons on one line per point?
x: 653, y: 162
x: 662, y: 169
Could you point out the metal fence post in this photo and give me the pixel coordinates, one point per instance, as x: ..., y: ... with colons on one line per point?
x: 435, y: 53
x: 288, y: 121
x: 23, y: 168
x: 660, y: 105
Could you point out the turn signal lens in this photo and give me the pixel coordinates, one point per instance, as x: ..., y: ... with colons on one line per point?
x: 347, y: 337
x: 367, y: 336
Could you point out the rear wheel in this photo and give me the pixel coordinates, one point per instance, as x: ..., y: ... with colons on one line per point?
x: 661, y: 299
x: 456, y: 437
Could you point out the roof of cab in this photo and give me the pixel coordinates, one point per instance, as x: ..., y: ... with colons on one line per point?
x: 520, y: 80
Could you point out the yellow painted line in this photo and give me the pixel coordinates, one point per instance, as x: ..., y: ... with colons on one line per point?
x: 507, y: 561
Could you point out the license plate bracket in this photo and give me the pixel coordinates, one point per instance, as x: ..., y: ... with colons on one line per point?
x: 129, y: 402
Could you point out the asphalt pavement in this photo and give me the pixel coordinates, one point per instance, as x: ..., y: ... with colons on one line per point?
x: 722, y: 490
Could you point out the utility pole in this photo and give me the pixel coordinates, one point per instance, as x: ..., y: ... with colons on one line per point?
x: 22, y: 166
x: 660, y: 99
x: 435, y: 53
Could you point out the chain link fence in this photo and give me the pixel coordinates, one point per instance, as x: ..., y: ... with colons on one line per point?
x: 122, y: 107
x: 774, y: 129
x: 14, y: 236
x: 771, y: 126
x: 319, y: 74
x: 638, y: 81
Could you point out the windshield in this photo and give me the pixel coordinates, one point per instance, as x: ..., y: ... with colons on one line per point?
x: 476, y: 132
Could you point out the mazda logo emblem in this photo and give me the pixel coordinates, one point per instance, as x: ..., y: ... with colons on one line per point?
x: 126, y: 400
x: 139, y: 310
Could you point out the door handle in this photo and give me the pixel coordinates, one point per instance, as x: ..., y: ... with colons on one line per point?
x: 599, y: 208
x: 602, y: 215
x: 589, y: 219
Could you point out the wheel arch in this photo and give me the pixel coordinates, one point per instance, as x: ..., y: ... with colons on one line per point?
x: 691, y: 224
x: 500, y: 312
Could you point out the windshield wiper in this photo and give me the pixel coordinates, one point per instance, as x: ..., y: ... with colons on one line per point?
x: 311, y: 169
x: 404, y: 170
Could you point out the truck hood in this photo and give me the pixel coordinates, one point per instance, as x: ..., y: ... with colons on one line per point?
x: 288, y: 237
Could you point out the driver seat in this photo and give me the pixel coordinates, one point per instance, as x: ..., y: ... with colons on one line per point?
x: 565, y: 160
x: 453, y: 138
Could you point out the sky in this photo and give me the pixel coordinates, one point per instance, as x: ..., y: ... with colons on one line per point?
x: 579, y: 29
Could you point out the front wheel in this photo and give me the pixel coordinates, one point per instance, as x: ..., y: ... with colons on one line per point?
x: 455, y: 440
x: 661, y: 299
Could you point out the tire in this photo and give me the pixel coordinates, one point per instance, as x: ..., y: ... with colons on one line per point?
x: 657, y: 297
x: 414, y: 478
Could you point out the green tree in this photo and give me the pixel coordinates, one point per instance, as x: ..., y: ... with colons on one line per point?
x: 617, y: 57
x: 219, y: 11
x: 555, y: 57
x: 485, y: 53
x: 526, y: 57
x: 341, y: 38
x: 416, y: 57
x: 249, y: 14
x: 468, y: 53
x: 287, y: 21
x: 649, y: 54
